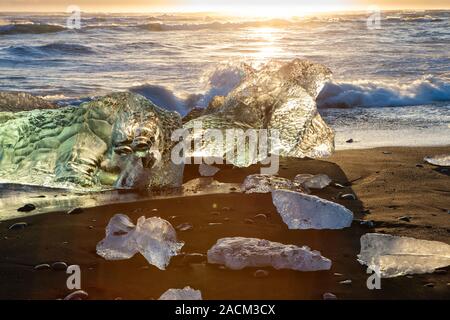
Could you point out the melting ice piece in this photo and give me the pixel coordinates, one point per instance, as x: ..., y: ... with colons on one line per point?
x: 397, y: 256
x: 187, y: 293
x: 442, y: 160
x: 262, y: 183
x: 207, y: 170
x: 280, y: 97
x: 154, y: 238
x: 238, y: 253
x: 119, y: 243
x: 302, y: 211
x: 310, y: 181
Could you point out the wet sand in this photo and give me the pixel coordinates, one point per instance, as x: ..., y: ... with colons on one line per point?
x: 390, y: 182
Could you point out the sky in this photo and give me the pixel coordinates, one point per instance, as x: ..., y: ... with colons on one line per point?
x: 217, y: 5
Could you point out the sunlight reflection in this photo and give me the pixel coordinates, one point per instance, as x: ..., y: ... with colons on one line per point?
x: 267, y: 44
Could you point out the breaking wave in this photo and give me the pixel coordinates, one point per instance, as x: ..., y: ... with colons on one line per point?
x: 429, y: 89
x: 218, y: 81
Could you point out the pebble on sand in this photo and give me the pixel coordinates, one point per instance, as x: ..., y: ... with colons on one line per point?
x: 75, y: 211
x: 261, y: 274
x: 18, y: 225
x: 405, y: 218
x: 59, y: 266
x: 42, y: 266
x: 347, y: 196
x: 77, y: 295
x: 184, y: 227
x: 27, y: 208
x: 350, y: 141
x: 260, y: 216
x: 329, y: 296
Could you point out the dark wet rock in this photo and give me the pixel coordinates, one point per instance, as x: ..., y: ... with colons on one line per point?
x: 75, y: 211
x: 419, y: 165
x: 77, y: 295
x: 59, y: 266
x: 184, y: 227
x: 346, y: 282
x: 429, y: 285
x: 18, y: 226
x: 337, y: 274
x: 405, y: 218
x: 347, y: 196
x: 350, y: 141
x: 261, y: 273
x: 27, y: 208
x: 329, y: 296
x: 42, y: 266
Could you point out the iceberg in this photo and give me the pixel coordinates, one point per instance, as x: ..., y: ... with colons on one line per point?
x: 442, y: 160
x: 280, y: 97
x: 154, y: 238
x: 262, y: 183
x: 238, y: 253
x: 310, y: 181
x: 394, y: 256
x: 302, y: 211
x: 187, y: 293
x: 121, y: 140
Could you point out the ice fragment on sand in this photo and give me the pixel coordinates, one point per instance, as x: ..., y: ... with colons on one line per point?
x: 310, y: 181
x: 442, y: 160
x: 238, y: 253
x: 262, y: 183
x: 397, y: 256
x: 154, y: 238
x: 187, y: 293
x: 207, y: 171
x: 302, y: 211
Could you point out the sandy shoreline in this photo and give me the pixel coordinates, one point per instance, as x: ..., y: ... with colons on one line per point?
x: 391, y: 182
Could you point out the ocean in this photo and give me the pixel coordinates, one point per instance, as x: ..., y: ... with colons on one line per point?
x: 391, y: 86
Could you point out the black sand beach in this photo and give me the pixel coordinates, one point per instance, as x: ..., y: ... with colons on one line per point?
x: 389, y: 182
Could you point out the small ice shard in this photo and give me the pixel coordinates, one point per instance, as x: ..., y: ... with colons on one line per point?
x: 397, y: 256
x: 310, y: 181
x: 119, y: 243
x: 207, y: 170
x: 263, y: 183
x: 302, y: 211
x: 238, y: 253
x: 187, y: 293
x: 442, y: 160
x: 154, y: 238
